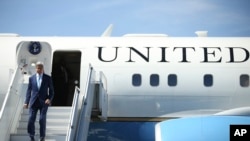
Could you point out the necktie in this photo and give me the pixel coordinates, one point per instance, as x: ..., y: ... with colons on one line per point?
x: 39, y: 81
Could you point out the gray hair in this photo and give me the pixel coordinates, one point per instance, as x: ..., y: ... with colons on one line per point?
x: 40, y: 64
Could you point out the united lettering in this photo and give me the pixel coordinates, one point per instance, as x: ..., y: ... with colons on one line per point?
x: 209, y: 54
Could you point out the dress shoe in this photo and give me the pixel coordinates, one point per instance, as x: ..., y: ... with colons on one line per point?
x: 42, y: 139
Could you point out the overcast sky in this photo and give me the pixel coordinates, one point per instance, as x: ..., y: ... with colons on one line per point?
x: 92, y: 17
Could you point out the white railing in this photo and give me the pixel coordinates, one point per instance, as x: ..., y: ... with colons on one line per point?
x: 86, y: 108
x: 73, y: 116
x: 103, y: 100
x: 78, y: 107
x: 81, y: 108
x: 103, y: 81
x: 11, y: 105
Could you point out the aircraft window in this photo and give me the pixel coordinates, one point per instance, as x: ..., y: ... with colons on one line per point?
x: 244, y: 80
x: 208, y: 80
x: 136, y: 79
x: 172, y: 80
x: 154, y: 79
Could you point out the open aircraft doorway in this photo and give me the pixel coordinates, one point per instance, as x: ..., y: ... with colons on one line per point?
x: 65, y: 72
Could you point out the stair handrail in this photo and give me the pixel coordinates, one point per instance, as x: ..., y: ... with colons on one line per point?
x: 103, y: 100
x: 103, y: 81
x: 9, y: 107
x: 73, y: 115
x: 77, y: 105
x: 86, y: 108
x: 7, y: 95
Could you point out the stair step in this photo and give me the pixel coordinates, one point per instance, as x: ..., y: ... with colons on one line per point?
x: 50, y: 122
x: 49, y: 116
x: 48, y: 127
x: 48, y: 131
x: 18, y: 137
x: 53, y: 109
x: 57, y: 125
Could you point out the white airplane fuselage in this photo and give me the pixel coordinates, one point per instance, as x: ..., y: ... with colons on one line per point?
x: 151, y: 77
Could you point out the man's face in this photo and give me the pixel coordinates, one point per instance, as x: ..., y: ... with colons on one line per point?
x: 39, y: 69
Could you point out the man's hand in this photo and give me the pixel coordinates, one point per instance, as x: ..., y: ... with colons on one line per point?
x: 47, y: 101
x: 25, y: 106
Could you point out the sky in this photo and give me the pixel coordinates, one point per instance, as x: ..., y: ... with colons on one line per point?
x: 176, y: 18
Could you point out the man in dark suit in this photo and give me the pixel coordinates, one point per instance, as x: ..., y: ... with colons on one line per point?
x: 39, y: 95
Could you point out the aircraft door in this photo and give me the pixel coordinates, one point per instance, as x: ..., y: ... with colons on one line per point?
x: 28, y: 53
x: 66, y: 67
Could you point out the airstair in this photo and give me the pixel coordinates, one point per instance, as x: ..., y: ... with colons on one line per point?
x: 57, y: 125
x: 63, y: 123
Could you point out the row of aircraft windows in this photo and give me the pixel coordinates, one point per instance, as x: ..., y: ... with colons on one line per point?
x: 172, y: 80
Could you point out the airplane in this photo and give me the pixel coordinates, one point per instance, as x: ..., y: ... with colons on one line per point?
x: 141, y: 87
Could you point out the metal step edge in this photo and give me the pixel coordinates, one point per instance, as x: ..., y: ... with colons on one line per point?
x: 48, y: 117
x: 25, y: 137
x: 68, y: 110
x: 24, y: 124
x: 48, y: 120
x: 47, y: 127
x: 50, y: 113
x: 24, y: 131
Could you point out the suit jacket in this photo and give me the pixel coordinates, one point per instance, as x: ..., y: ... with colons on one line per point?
x: 46, y: 90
